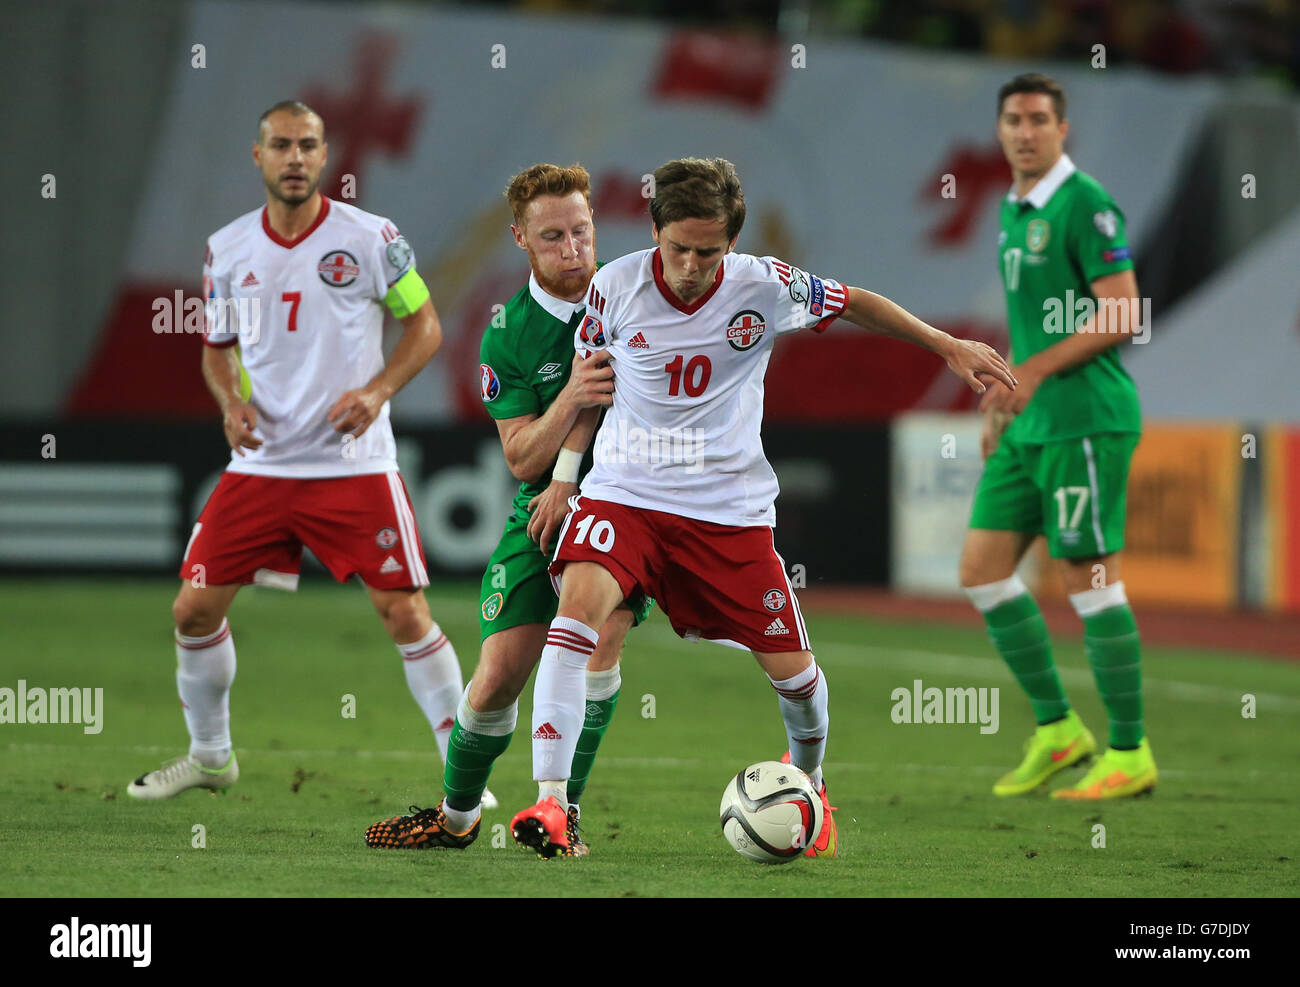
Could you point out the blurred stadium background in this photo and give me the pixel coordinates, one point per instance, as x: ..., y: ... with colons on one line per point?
x: 843, y: 119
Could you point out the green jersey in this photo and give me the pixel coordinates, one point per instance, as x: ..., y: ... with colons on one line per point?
x: 1054, y: 243
x: 526, y: 356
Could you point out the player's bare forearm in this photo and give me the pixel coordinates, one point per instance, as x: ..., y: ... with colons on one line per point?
x: 1096, y: 336
x: 550, y: 507
x: 531, y: 448
x: 584, y: 427
x: 531, y: 445
x: 880, y: 315
x: 238, y: 419
x: 976, y: 363
x: 221, y: 374
x: 1099, y: 333
x: 421, y: 337
x: 1077, y: 349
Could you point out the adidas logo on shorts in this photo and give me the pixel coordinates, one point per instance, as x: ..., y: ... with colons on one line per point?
x: 775, y: 628
x: 547, y: 732
x: 390, y: 565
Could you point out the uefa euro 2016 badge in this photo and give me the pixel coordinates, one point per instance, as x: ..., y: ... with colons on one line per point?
x: 491, y: 386
x: 1036, y: 235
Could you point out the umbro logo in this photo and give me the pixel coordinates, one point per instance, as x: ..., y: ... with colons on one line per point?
x: 550, y: 372
x: 776, y: 628
x: 250, y: 281
x: 638, y: 342
x: 547, y: 732
x: 390, y: 565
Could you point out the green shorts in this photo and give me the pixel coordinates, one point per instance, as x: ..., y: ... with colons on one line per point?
x: 1075, y: 492
x: 517, y: 588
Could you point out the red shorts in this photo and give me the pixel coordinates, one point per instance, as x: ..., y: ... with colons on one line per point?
x: 253, y: 529
x: 714, y: 581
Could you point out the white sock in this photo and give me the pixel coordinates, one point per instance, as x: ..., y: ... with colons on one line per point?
x: 433, y: 675
x: 205, y: 668
x: 559, y: 703
x: 803, y: 700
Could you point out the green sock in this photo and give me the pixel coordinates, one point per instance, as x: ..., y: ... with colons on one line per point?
x: 1110, y: 639
x: 1019, y: 632
x: 594, y: 725
x: 469, y: 762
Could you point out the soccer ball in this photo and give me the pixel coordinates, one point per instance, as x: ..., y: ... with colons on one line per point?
x: 771, y: 813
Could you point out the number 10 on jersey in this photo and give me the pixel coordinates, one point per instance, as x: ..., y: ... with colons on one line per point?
x: 693, y: 379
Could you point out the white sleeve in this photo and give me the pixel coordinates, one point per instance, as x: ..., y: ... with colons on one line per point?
x: 220, y: 319
x: 806, y: 300
x: 593, y: 333
x: 395, y: 256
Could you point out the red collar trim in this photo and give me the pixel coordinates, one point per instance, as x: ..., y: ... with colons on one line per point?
x: 658, y: 266
x: 290, y: 244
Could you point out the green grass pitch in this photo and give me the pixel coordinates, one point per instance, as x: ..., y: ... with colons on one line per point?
x: 916, y: 814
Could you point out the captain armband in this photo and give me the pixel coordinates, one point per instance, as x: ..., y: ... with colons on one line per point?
x: 407, y: 294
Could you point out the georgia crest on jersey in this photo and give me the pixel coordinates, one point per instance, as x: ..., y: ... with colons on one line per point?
x: 308, y: 318
x: 683, y: 433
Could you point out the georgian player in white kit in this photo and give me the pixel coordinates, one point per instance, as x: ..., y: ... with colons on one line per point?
x: 680, y: 502
x: 300, y: 285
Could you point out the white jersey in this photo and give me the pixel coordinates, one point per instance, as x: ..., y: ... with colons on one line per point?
x: 682, y: 435
x: 308, y: 317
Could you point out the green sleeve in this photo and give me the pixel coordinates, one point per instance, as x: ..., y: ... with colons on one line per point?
x: 505, y: 391
x: 1099, y: 242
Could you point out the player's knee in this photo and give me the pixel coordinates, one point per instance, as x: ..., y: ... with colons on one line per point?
x: 496, y: 685
x: 969, y: 572
x: 193, y: 617
x: 976, y: 569
x: 405, y: 615
x: 607, y: 653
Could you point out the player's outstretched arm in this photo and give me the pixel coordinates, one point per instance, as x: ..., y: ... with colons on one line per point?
x: 1109, y: 326
x: 970, y: 360
x: 238, y: 418
x: 357, y: 410
x: 531, y: 443
x: 550, y: 507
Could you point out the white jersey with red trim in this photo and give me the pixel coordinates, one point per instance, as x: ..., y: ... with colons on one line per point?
x: 682, y: 435
x: 308, y: 317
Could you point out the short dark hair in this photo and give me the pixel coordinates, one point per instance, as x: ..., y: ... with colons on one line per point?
x: 1035, y: 82
x: 698, y: 188
x: 295, y: 106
